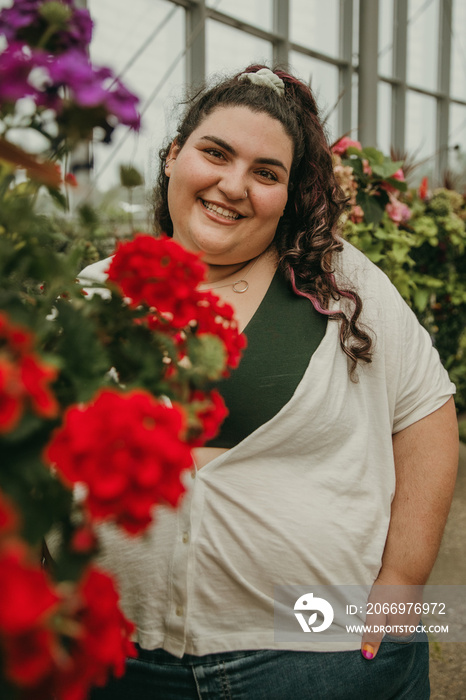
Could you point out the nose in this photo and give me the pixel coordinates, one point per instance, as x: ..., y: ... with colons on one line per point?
x: 234, y: 183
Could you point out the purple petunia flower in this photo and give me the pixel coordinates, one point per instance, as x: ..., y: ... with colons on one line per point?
x: 24, y: 22
x: 89, y: 87
x: 85, y: 82
x: 122, y: 104
x: 20, y: 15
x: 16, y: 64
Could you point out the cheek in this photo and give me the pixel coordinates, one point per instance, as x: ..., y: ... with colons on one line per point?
x: 272, y: 207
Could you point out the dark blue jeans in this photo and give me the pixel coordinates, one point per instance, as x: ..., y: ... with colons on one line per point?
x: 399, y: 671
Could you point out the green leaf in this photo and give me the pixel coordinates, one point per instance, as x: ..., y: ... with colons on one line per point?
x: 58, y: 197
x: 421, y: 299
x: 353, y: 151
x: 399, y: 185
x: 85, y: 360
x: 387, y: 168
x: 40, y: 497
x: 373, y: 210
x: 373, y: 155
x: 130, y: 176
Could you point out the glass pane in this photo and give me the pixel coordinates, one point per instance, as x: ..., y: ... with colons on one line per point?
x: 456, y: 142
x: 423, y: 43
x: 323, y: 79
x: 386, y: 37
x: 420, y: 132
x: 315, y: 24
x: 257, y: 12
x: 118, y: 39
x: 458, y: 50
x: 384, y: 138
x: 230, y: 50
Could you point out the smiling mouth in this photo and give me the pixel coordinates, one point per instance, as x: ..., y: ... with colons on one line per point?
x: 221, y: 211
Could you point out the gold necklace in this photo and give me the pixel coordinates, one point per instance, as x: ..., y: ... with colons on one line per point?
x: 241, y: 285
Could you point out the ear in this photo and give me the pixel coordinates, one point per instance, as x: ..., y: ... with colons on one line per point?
x: 171, y: 157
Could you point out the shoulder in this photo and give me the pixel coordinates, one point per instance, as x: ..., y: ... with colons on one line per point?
x: 355, y: 272
x: 95, y: 273
x: 352, y: 266
x: 94, y: 276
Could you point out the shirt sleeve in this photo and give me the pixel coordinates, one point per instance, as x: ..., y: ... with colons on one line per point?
x: 422, y: 383
x: 416, y: 383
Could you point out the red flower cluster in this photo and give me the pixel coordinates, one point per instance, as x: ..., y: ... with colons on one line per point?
x: 127, y: 450
x: 56, y: 643
x: 101, y: 642
x: 24, y: 379
x: 215, y: 317
x: 159, y: 273
x: 210, y: 411
x: 27, y: 604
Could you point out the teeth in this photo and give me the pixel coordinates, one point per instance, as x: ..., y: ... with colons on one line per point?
x: 219, y: 210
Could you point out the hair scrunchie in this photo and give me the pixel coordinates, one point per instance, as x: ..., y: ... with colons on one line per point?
x: 267, y: 78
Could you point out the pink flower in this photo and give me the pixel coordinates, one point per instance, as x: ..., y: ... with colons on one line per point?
x: 343, y: 144
x: 357, y: 214
x: 367, y: 170
x: 398, y: 212
x: 399, y: 175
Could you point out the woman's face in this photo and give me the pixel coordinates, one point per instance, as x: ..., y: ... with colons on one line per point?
x: 229, y: 185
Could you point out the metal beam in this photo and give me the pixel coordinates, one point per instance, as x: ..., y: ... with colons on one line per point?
x: 368, y: 59
x: 281, y: 26
x: 196, y: 43
x: 400, y: 39
x: 443, y: 104
x: 346, y: 71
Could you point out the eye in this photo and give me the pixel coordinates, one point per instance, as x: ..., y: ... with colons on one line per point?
x: 214, y: 152
x: 267, y: 175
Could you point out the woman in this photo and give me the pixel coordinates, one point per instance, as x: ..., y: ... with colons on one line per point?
x: 339, y: 399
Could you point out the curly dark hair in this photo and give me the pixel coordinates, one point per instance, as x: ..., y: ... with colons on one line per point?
x: 306, y: 236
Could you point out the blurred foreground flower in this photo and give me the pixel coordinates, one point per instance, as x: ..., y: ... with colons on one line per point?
x: 102, y: 395
x: 127, y: 450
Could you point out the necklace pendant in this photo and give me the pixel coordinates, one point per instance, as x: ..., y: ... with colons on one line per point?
x: 240, y: 286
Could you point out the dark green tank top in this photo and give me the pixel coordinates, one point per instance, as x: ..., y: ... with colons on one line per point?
x: 282, y: 336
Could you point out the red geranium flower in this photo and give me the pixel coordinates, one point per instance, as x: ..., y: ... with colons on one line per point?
x: 211, y: 412
x: 36, y: 376
x: 127, y: 450
x: 102, y: 642
x: 27, y: 602
x: 160, y: 273
x: 24, y: 378
x: 213, y: 316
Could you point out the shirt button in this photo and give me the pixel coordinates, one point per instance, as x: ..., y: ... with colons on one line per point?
x: 185, y: 537
x: 179, y: 610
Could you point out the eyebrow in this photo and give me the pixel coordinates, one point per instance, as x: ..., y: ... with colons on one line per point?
x: 230, y: 149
